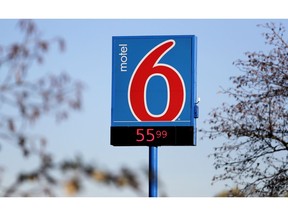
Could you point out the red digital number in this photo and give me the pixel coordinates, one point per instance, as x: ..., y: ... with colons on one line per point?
x: 164, y: 134
x: 145, y: 70
x: 150, y: 134
x: 158, y: 134
x: 140, y: 134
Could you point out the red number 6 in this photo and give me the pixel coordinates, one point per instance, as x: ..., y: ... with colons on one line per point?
x: 145, y: 70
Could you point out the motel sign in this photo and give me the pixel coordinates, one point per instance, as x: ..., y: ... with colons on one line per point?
x: 154, y: 91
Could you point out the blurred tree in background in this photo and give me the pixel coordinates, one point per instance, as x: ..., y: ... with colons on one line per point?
x: 234, y: 192
x: 255, y: 155
x: 23, y: 101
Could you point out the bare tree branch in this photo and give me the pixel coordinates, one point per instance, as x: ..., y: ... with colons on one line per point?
x: 255, y: 155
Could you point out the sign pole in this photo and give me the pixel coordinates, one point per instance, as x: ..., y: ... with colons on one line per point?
x: 157, y: 113
x: 153, y: 171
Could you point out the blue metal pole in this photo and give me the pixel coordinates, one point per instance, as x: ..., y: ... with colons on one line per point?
x: 153, y: 171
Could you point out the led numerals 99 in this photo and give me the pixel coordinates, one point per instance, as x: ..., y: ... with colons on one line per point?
x: 150, y: 134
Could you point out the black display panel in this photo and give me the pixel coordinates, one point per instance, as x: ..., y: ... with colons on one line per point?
x: 152, y: 136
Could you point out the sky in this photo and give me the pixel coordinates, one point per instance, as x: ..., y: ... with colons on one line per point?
x: 220, y: 42
x: 184, y: 171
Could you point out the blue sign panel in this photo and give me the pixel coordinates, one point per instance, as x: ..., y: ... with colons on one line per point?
x: 153, y: 82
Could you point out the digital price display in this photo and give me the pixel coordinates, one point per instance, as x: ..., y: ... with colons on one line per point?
x: 152, y: 136
x: 153, y: 91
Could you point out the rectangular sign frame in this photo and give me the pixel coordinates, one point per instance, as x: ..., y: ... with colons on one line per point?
x: 154, y: 87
